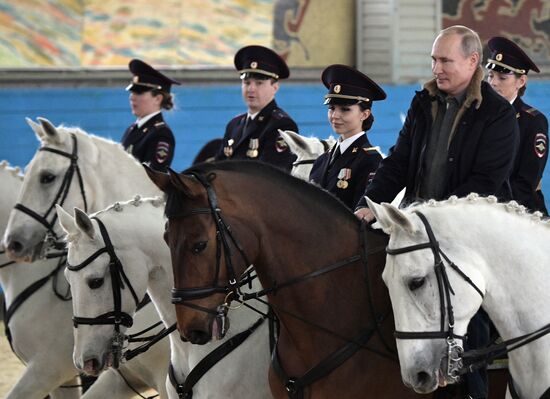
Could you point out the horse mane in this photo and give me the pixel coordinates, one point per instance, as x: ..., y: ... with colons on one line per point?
x: 280, y: 178
x: 136, y: 201
x: 14, y: 170
x: 81, y: 133
x: 512, y: 207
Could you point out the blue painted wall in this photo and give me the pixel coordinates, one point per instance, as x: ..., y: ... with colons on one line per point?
x: 201, y: 114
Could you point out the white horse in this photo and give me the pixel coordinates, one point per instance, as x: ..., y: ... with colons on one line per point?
x: 96, y: 158
x: 500, y: 261
x: 135, y: 229
x: 41, y: 326
x: 71, y: 168
x: 306, y: 149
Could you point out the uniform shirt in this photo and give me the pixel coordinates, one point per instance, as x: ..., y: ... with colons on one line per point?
x: 531, y: 158
x: 355, y: 166
x: 152, y: 142
x: 260, y: 140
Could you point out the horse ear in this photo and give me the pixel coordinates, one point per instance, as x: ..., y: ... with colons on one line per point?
x: 389, y: 216
x: 84, y: 223
x: 185, y: 183
x: 36, y: 128
x: 49, y: 130
x: 66, y: 221
x: 161, y: 180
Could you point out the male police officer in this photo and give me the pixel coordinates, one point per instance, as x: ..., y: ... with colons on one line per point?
x: 150, y: 139
x: 254, y: 135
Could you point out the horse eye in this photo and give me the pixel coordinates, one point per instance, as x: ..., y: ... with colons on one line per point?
x: 46, y: 178
x: 199, y: 247
x: 95, y: 283
x: 416, y: 283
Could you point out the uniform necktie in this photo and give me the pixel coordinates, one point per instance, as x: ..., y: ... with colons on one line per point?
x: 242, y: 133
x: 335, y: 155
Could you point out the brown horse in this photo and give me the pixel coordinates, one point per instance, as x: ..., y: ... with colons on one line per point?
x: 321, y: 269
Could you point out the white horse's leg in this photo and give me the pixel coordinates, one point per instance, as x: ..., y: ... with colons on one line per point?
x: 37, y: 382
x: 109, y: 385
x: 67, y: 393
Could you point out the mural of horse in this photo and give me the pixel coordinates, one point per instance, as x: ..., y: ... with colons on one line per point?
x: 322, y: 276
x: 445, y: 260
x: 69, y: 168
x: 135, y: 229
x: 307, y: 149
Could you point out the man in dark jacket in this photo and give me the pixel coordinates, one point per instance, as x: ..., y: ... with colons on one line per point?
x: 459, y: 137
x: 255, y: 135
x: 438, y: 155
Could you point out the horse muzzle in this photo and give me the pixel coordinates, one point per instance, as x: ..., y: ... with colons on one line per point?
x: 22, y: 249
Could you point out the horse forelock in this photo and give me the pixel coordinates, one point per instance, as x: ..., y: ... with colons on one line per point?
x: 293, y: 188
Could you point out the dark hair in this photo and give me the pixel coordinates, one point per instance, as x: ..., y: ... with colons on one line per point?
x: 367, y: 123
x: 522, y: 89
x: 167, y: 99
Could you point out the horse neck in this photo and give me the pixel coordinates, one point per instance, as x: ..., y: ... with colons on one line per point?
x: 287, y: 252
x: 116, y: 176
x: 509, y: 251
x: 141, y: 228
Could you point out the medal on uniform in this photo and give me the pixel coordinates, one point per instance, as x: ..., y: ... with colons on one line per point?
x: 228, y: 151
x: 343, y: 176
x: 253, y: 146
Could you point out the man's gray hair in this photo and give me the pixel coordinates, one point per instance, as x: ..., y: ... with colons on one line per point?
x: 471, y: 43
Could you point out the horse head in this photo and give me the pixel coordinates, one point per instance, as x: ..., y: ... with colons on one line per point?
x: 206, y: 259
x: 432, y: 300
x: 104, y: 298
x: 47, y: 182
x: 306, y: 149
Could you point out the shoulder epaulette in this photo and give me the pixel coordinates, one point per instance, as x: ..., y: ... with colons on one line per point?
x: 279, y: 113
x: 371, y: 149
x: 159, y: 124
x: 531, y: 111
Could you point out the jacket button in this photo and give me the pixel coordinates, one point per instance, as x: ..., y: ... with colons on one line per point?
x: 451, y: 159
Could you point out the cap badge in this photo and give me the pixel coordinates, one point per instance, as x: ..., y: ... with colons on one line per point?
x: 253, y: 65
x: 337, y: 89
x: 498, y: 57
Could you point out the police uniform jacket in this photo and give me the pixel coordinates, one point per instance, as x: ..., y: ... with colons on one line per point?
x: 263, y: 131
x: 531, y: 158
x: 362, y: 161
x: 152, y: 143
x: 481, y: 150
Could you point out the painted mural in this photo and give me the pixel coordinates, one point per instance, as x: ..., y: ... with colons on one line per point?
x: 89, y: 33
x: 527, y: 22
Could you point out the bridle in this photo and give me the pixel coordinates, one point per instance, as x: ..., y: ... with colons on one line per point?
x: 454, y: 348
x: 61, y: 193
x: 224, y: 236
x: 118, y: 281
x: 311, y: 161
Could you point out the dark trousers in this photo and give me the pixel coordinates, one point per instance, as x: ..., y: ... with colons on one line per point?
x: 479, y: 336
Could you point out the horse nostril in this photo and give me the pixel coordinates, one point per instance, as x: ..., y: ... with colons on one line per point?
x: 422, y: 378
x: 198, y: 337
x: 15, y: 246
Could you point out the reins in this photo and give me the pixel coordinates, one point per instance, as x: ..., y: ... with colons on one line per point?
x: 61, y: 193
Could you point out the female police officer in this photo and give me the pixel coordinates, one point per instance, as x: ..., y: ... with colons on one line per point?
x: 346, y: 169
x: 508, y: 67
x: 150, y: 139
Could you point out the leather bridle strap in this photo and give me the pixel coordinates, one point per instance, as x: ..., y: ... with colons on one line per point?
x: 118, y: 279
x: 185, y: 390
x: 63, y: 189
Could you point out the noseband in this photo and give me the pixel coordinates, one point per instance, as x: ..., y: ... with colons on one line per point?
x: 118, y: 278
x: 454, y: 349
x: 61, y: 193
